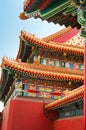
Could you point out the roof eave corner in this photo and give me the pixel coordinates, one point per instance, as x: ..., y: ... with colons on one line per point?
x: 22, y: 16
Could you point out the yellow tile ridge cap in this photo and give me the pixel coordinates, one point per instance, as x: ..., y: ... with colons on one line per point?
x: 57, y: 34
x: 51, y: 45
x: 15, y: 65
x: 66, y: 98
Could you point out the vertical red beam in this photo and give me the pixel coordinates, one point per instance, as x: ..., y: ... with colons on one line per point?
x: 85, y: 86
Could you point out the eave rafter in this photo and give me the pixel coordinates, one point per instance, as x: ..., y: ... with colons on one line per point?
x: 15, y: 66
x: 47, y: 10
x: 50, y: 45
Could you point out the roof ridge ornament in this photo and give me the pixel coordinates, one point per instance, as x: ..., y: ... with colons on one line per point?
x: 81, y: 13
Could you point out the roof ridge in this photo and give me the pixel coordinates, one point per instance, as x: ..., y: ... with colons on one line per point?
x: 57, y: 34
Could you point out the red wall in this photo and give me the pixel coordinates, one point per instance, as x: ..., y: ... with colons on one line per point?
x: 5, y: 117
x: 25, y: 115
x: 0, y: 126
x: 73, y: 123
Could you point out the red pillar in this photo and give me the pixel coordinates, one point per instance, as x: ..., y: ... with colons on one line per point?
x: 85, y: 86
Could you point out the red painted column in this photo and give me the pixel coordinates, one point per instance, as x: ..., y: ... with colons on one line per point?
x: 85, y: 86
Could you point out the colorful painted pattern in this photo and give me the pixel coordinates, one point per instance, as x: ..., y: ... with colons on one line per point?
x: 63, y: 12
x: 23, y: 88
x: 61, y: 63
x: 76, y: 41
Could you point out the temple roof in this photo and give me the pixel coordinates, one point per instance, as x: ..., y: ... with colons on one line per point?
x: 43, y: 71
x: 69, y: 97
x: 61, y: 38
x: 63, y: 12
x: 60, y: 76
x: 62, y: 35
x: 67, y: 40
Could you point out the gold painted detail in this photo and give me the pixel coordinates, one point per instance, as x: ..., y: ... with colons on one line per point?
x: 76, y: 41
